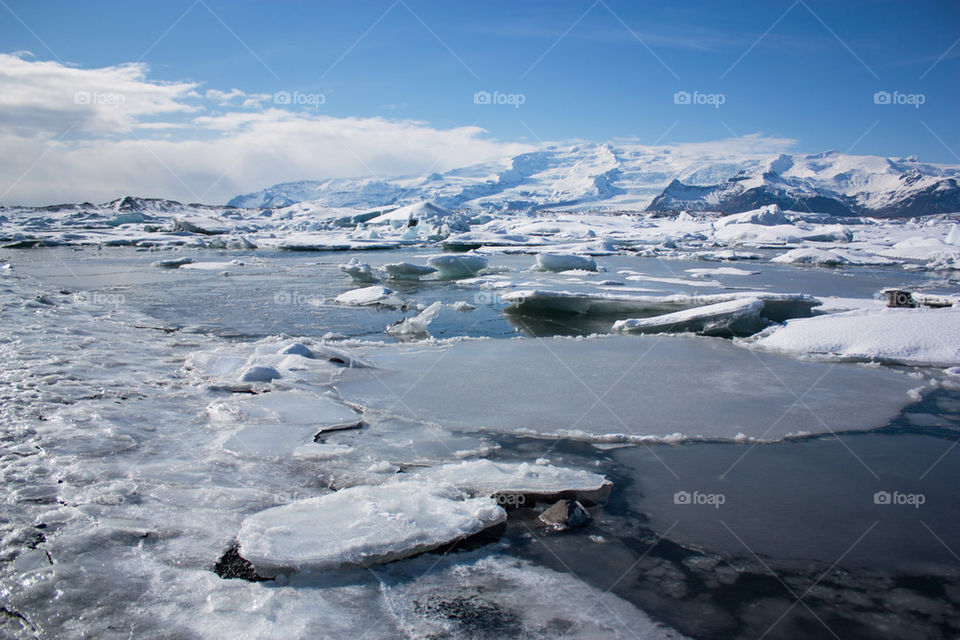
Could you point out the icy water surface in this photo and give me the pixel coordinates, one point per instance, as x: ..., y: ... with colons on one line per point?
x: 127, y: 479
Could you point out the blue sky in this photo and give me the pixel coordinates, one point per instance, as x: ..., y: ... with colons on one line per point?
x: 599, y: 71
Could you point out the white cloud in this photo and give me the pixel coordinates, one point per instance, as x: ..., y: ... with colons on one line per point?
x: 129, y: 135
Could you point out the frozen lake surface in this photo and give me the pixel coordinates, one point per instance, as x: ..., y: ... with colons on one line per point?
x: 155, y: 418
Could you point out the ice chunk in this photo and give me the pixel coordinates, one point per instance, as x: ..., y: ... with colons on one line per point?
x: 725, y: 319
x: 370, y: 296
x: 199, y: 224
x: 650, y: 388
x: 259, y: 374
x: 359, y: 271
x: 823, y: 257
x: 767, y: 216
x: 485, y: 477
x: 417, y: 325
x: 564, y: 262
x: 363, y: 526
x: 453, y: 267
x: 172, y: 263
x: 777, y: 306
x: 463, y: 305
x: 405, y: 271
x: 720, y: 271
x: 894, y: 335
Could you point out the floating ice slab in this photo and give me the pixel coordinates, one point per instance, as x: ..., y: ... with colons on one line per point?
x: 564, y: 262
x: 406, y: 271
x: 829, y: 258
x: 363, y: 526
x: 725, y: 319
x: 453, y: 267
x: 720, y: 271
x: 902, y: 336
x: 624, y: 387
x: 172, y: 263
x: 485, y: 477
x: 777, y: 306
x: 370, y: 296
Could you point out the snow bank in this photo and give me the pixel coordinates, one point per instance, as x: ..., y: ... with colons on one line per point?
x: 725, y: 319
x: 928, y: 337
x: 363, y: 526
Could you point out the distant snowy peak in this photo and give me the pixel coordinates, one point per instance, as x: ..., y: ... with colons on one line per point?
x: 830, y: 183
x: 625, y: 177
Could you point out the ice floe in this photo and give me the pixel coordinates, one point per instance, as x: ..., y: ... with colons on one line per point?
x: 363, y: 525
x: 452, y: 267
x: 370, y: 296
x: 731, y: 318
x: 928, y: 337
x: 550, y: 386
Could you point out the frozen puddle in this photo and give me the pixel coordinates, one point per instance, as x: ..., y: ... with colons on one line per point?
x: 624, y: 388
x: 363, y: 526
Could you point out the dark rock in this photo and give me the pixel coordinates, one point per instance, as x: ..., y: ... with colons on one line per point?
x: 232, y: 565
x: 565, y: 514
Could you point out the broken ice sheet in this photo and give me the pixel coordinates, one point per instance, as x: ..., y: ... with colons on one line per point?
x: 624, y: 387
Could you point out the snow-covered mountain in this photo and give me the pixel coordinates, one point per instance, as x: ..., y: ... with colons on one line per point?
x: 656, y: 179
